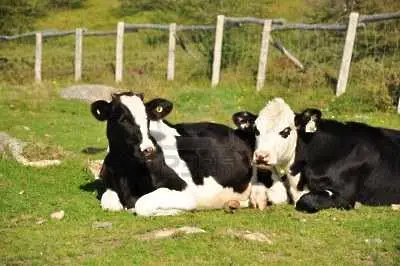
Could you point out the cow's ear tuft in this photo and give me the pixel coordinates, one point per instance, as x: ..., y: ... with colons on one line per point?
x: 101, y: 110
x: 158, y: 108
x: 244, y: 120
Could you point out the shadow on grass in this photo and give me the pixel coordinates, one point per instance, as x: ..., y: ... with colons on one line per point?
x: 96, y: 185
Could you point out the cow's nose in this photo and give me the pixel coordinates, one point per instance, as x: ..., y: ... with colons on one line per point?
x: 261, y: 157
x: 149, y: 153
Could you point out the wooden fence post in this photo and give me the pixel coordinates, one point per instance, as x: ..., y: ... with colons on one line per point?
x: 119, y: 53
x: 219, y: 32
x: 171, y: 52
x: 78, y: 54
x: 262, y: 64
x: 398, y: 106
x: 38, y: 57
x: 347, y: 53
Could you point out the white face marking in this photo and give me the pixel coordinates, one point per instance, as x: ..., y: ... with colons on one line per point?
x: 311, y: 127
x: 136, y: 106
x: 273, y: 119
x: 110, y: 201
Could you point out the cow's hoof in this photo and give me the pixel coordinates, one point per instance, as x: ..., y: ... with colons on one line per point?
x: 231, y: 206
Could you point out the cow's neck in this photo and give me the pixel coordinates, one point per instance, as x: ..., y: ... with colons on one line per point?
x: 161, y: 130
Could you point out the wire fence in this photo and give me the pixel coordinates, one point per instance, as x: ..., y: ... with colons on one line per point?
x: 146, y: 53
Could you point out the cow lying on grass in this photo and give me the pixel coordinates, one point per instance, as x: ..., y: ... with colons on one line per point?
x: 329, y: 164
x: 163, y: 169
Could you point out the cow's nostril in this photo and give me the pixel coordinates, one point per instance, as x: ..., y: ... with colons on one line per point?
x: 149, y: 153
x: 261, y: 157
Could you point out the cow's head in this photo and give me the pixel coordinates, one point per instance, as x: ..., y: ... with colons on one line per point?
x: 276, y: 134
x: 244, y: 121
x: 308, y: 120
x: 127, y: 124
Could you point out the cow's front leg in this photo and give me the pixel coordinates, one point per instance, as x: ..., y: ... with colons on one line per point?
x: 258, y: 194
x: 296, y: 189
x: 164, y: 201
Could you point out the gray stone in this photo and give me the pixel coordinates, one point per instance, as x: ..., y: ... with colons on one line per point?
x: 170, y: 232
x: 88, y: 92
x: 99, y: 225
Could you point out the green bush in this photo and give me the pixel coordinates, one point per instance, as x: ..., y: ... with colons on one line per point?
x: 18, y: 16
x: 55, y: 4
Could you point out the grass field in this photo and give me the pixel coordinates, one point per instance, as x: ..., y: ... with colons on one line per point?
x: 60, y: 129
x: 54, y: 128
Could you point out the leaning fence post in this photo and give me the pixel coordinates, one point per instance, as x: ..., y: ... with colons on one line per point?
x: 38, y: 57
x: 78, y: 54
x: 219, y: 32
x: 171, y: 52
x: 119, y: 52
x: 262, y: 64
x: 347, y: 53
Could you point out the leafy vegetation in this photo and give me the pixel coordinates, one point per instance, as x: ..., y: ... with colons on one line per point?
x: 19, y: 16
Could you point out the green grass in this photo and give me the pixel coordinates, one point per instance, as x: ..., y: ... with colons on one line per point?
x: 331, y: 237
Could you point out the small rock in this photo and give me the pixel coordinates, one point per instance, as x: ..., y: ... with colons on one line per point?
x: 88, y: 92
x: 41, y: 221
x: 260, y: 237
x: 252, y: 236
x: 374, y: 241
x: 396, y: 207
x: 170, y: 232
x: 95, y: 168
x: 98, y: 225
x: 57, y: 215
x: 191, y: 230
x: 357, y: 205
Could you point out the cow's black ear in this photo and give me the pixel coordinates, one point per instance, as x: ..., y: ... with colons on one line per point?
x: 101, y: 110
x: 158, y: 108
x: 244, y: 120
x: 140, y: 95
x: 308, y: 120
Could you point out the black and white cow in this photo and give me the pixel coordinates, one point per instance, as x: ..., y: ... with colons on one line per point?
x: 329, y: 164
x: 163, y: 169
x: 267, y: 186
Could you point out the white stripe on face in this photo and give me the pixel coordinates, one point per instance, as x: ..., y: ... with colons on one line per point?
x: 136, y: 106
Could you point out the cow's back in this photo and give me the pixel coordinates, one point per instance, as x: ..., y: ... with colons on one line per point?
x: 215, y: 150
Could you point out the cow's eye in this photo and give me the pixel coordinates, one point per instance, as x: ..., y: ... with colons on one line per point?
x: 285, y: 133
x: 256, y: 131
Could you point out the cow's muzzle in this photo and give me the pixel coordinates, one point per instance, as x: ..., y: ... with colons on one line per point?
x: 263, y: 159
x: 149, y: 153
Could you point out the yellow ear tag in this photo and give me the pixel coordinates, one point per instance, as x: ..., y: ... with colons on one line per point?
x: 159, y: 109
